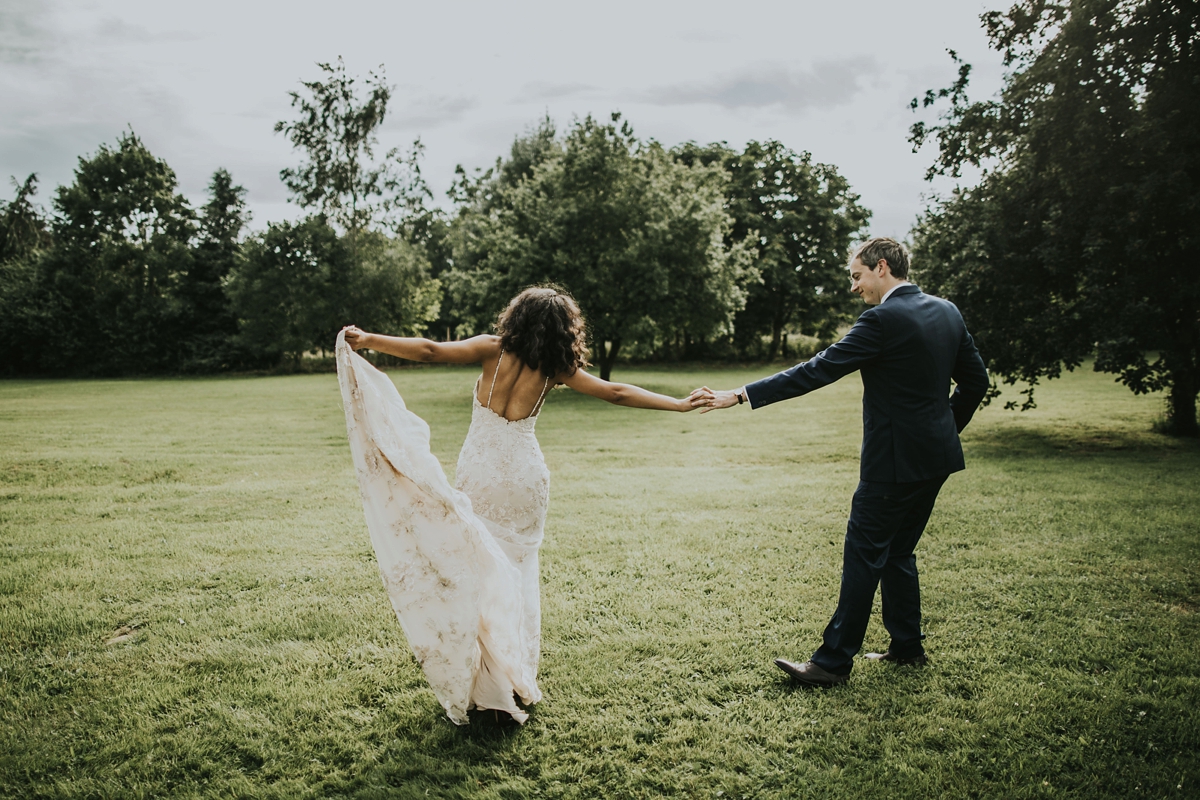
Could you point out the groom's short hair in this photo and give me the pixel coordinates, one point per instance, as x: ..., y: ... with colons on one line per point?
x: 881, y: 247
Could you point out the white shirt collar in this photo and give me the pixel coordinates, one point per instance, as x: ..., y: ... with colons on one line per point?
x: 888, y: 293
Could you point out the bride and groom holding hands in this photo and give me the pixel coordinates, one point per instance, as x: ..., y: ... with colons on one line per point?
x: 460, y: 563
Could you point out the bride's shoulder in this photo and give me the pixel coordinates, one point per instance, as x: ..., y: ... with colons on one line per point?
x: 485, y: 342
x: 475, y: 350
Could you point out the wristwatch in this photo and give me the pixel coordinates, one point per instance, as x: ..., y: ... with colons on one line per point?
x: 741, y: 396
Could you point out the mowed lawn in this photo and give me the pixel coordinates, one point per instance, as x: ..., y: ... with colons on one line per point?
x: 190, y: 606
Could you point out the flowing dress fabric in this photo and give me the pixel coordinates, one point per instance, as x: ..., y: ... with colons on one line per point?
x: 459, y: 563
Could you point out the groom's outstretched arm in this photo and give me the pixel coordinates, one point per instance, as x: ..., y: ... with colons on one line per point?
x: 859, y: 346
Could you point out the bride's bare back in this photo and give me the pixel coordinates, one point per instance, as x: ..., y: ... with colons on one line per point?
x: 510, y: 388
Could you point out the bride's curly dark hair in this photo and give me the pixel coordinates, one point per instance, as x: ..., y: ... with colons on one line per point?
x: 544, y: 327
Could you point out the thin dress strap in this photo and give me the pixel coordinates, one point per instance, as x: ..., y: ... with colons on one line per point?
x: 541, y: 398
x: 499, y: 361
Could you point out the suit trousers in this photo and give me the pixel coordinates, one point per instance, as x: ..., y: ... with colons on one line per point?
x: 886, y: 522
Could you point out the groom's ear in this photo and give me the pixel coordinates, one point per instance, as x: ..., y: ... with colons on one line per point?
x: 883, y: 268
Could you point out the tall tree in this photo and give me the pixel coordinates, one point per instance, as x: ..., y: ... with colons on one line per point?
x: 208, y: 323
x: 24, y: 228
x: 24, y: 238
x: 632, y: 233
x: 338, y: 131
x: 706, y: 279
x: 473, y: 292
x: 1073, y: 242
x: 380, y: 207
x: 122, y: 241
x: 798, y: 218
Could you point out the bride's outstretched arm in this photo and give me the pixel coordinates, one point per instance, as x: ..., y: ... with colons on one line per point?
x: 468, y: 351
x: 624, y: 394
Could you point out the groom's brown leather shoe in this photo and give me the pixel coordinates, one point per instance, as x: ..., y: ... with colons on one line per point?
x: 915, y: 661
x: 810, y: 674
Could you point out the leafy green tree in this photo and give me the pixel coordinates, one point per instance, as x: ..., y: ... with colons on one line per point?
x: 484, y: 192
x: 379, y: 207
x: 799, y: 219
x: 208, y: 324
x: 1075, y: 240
x: 391, y: 289
x: 280, y: 292
x: 24, y: 228
x: 685, y: 234
x: 299, y: 283
x: 24, y: 238
x: 122, y: 237
x: 635, y: 235
x: 337, y: 130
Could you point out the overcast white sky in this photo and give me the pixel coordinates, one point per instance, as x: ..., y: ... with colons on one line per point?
x: 203, y: 83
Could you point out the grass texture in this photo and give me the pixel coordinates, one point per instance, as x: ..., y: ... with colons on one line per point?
x: 190, y: 606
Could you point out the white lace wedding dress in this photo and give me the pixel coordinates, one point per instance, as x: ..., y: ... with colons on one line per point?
x: 460, y: 564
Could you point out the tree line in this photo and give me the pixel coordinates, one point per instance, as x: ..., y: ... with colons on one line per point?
x: 685, y: 252
x: 1073, y: 245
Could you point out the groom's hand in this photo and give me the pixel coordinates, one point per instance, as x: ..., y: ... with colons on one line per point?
x: 718, y: 399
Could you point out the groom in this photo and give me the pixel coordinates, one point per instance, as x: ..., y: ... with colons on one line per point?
x: 908, y: 346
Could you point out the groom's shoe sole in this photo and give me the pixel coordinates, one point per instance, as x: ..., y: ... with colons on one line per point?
x: 915, y: 661
x: 810, y: 674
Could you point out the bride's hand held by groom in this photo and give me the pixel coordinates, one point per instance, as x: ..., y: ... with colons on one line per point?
x: 692, y: 401
x: 712, y: 399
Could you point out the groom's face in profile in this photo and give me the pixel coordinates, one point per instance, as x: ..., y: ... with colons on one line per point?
x: 869, y: 284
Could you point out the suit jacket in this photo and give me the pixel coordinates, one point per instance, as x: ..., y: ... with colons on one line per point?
x: 907, y: 349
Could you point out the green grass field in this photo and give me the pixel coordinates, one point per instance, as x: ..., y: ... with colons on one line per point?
x: 189, y: 603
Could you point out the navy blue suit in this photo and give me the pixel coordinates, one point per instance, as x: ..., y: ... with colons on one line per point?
x: 907, y: 349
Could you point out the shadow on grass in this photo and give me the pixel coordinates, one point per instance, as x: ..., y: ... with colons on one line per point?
x: 1072, y: 440
x: 445, y: 760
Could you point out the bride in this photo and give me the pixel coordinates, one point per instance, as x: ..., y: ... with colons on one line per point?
x: 461, y: 564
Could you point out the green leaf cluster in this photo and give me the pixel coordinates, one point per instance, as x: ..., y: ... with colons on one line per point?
x: 797, y: 219
x: 1074, y: 243
x: 635, y: 235
x: 300, y: 283
x: 24, y: 237
x: 337, y: 131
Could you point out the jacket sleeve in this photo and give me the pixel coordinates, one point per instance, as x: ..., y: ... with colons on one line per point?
x: 971, y: 381
x: 859, y: 346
